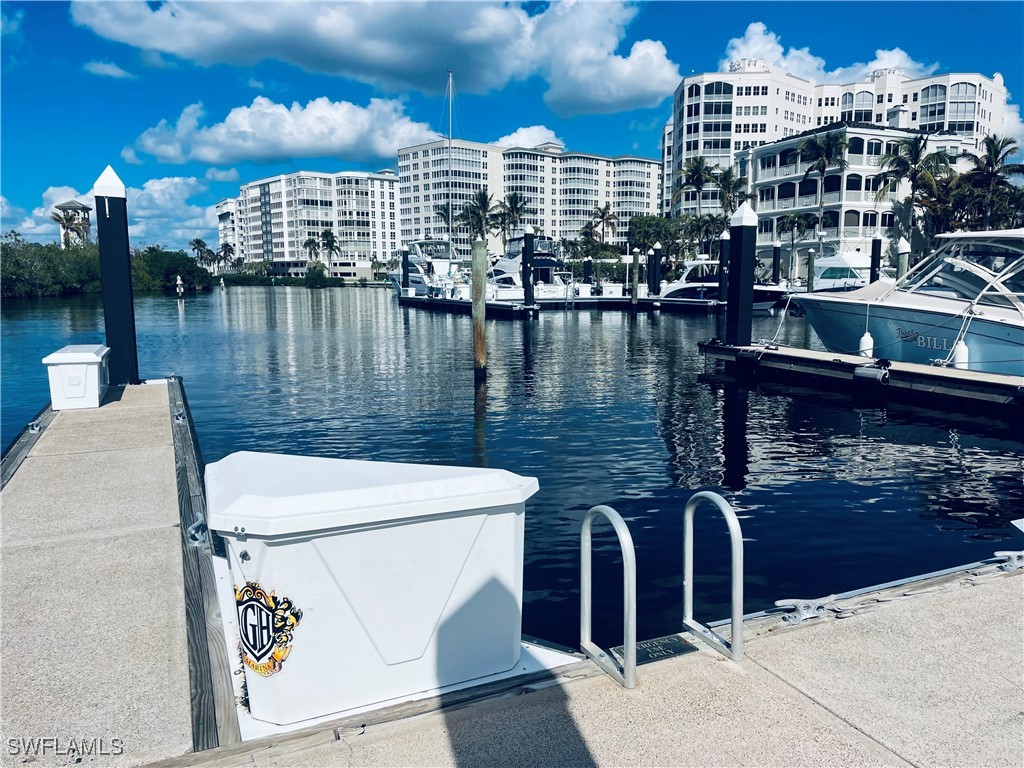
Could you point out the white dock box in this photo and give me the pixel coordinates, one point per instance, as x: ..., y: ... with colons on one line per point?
x: 78, y: 376
x: 358, y: 582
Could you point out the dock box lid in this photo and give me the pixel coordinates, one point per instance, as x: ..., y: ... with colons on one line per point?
x: 77, y: 353
x: 275, y: 494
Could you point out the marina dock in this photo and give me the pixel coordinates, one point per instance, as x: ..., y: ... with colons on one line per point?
x: 1000, y: 396
x: 507, y: 310
x: 114, y: 654
x: 926, y: 673
x: 95, y: 647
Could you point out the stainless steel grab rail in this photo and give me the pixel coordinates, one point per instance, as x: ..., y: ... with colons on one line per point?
x: 626, y: 676
x: 734, y: 649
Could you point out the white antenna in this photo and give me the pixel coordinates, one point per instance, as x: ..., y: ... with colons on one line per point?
x: 451, y: 211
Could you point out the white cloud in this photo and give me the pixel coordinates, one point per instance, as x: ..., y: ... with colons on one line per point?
x: 159, y: 212
x: 529, y: 136
x: 268, y: 131
x: 10, y: 24
x: 107, y: 69
x: 215, y: 174
x: 10, y: 215
x: 402, y: 46
x: 759, y: 43
x: 257, y: 84
x: 1013, y: 126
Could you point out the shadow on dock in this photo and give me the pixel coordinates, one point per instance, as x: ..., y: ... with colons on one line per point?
x: 541, y: 731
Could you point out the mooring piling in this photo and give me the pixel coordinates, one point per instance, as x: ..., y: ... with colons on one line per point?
x: 776, y: 261
x: 479, y: 310
x: 116, y: 278
x: 876, y: 257
x: 528, y: 268
x: 739, y: 307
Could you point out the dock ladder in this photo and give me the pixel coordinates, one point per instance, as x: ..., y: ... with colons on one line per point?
x: 733, y: 649
x: 626, y: 675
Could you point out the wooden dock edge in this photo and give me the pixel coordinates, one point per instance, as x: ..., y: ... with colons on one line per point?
x: 998, y: 395
x: 19, y: 450
x: 214, y: 718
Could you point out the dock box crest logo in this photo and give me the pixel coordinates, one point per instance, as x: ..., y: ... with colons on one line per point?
x: 265, y: 625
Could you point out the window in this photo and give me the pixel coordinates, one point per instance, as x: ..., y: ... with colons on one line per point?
x: 904, y: 98
x: 889, y: 98
x: 878, y: 117
x: 878, y: 99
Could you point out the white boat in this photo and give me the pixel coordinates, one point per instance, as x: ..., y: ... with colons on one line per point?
x: 962, y: 306
x: 433, y: 268
x: 700, y: 280
x: 551, y: 279
x: 846, y: 271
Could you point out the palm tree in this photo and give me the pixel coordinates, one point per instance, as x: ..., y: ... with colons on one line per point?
x: 732, y: 190
x: 991, y: 169
x: 911, y: 160
x: 822, y: 152
x: 796, y: 224
x: 516, y: 208
x: 477, y: 215
x: 444, y: 210
x: 603, y: 215
x: 312, y: 247
x: 69, y: 225
x: 329, y: 244
x: 226, y: 252
x: 198, y: 245
x: 696, y: 174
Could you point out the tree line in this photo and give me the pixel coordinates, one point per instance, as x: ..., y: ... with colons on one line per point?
x: 47, y: 269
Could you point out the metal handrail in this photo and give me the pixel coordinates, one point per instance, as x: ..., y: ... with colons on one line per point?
x: 626, y: 676
x: 734, y: 649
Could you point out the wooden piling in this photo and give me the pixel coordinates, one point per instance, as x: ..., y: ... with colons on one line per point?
x: 479, y: 310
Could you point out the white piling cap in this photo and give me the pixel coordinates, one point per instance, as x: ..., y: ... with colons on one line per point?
x: 725, y: 235
x: 744, y: 217
x: 657, y: 246
x: 903, y: 246
x: 108, y: 185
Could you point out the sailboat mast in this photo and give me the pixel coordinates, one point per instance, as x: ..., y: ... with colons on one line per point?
x: 451, y: 211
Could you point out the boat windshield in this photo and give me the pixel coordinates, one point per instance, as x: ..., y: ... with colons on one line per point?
x: 988, y: 273
x: 702, y: 272
x: 436, y: 250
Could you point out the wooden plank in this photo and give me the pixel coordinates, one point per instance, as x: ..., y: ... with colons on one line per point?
x: 23, y: 444
x: 214, y: 718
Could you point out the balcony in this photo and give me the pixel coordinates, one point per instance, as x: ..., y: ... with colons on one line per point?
x: 785, y: 203
x: 787, y: 170
x: 831, y: 198
x: 807, y: 200
x: 767, y: 173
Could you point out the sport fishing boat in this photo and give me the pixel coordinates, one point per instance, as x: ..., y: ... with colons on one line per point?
x: 962, y: 306
x: 846, y: 271
x: 433, y: 268
x: 551, y: 278
x: 700, y: 280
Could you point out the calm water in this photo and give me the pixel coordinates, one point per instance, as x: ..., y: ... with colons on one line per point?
x: 599, y: 407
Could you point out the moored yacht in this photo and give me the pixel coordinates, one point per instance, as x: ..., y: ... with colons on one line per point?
x: 962, y: 306
x: 433, y: 267
x: 846, y: 271
x: 700, y: 280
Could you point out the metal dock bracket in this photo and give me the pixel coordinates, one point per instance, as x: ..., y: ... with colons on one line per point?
x: 626, y: 675
x: 734, y: 649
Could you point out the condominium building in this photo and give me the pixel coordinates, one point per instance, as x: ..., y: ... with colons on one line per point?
x: 563, y: 189
x: 272, y: 219
x: 853, y: 209
x: 667, y: 138
x: 754, y: 104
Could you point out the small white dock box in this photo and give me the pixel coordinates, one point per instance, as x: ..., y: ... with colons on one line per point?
x: 612, y: 290
x: 358, y: 582
x: 78, y: 376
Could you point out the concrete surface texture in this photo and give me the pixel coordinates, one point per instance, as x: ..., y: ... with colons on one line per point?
x: 935, y: 679
x: 93, y: 618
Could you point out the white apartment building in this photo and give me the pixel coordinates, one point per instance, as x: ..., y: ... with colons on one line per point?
x: 433, y: 175
x: 753, y: 104
x: 853, y: 213
x: 667, y: 139
x: 563, y: 188
x: 272, y: 219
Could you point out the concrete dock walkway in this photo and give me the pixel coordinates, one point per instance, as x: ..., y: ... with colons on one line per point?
x: 935, y: 678
x: 95, y: 664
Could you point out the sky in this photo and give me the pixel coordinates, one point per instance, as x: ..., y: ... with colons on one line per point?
x: 187, y: 100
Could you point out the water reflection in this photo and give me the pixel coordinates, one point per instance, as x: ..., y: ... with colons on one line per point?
x: 602, y: 408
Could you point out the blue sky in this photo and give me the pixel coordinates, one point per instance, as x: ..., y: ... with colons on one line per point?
x: 186, y: 100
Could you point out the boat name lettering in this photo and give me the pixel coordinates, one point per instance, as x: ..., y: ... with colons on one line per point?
x: 907, y: 335
x: 933, y: 342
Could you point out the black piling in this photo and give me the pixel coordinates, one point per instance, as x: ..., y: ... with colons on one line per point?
x: 654, y: 270
x: 876, y: 258
x: 405, y: 269
x: 776, y: 262
x: 528, y: 268
x: 588, y: 270
x: 739, y: 308
x: 116, y: 278
x: 723, y: 266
